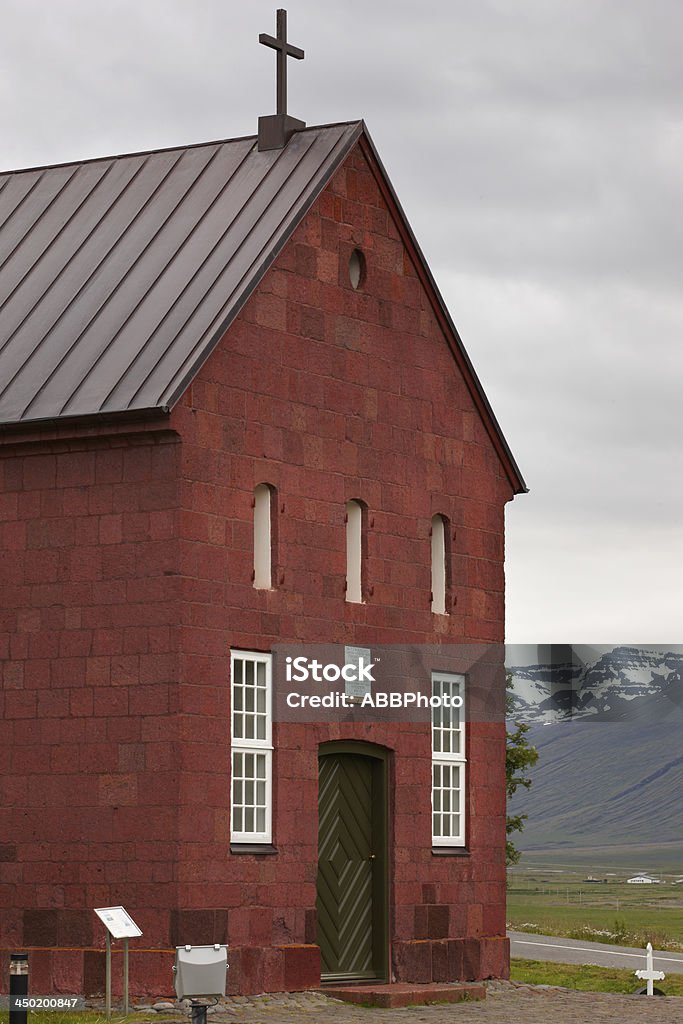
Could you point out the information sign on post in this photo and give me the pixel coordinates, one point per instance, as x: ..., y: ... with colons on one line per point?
x: 119, y: 925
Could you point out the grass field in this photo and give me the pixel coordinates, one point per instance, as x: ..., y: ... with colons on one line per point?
x: 587, y: 979
x: 552, y: 901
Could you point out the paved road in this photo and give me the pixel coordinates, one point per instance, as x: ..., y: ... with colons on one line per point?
x: 576, y: 951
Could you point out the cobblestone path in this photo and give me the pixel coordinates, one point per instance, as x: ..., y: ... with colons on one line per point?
x: 506, y: 1003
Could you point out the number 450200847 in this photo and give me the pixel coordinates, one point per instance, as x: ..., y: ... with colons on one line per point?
x: 45, y: 1002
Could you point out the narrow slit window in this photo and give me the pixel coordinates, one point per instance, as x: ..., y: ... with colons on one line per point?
x: 439, y: 565
x: 354, y: 552
x: 263, y: 537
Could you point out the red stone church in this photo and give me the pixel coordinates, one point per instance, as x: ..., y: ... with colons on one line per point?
x: 236, y: 413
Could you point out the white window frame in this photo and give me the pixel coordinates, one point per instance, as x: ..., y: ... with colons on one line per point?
x: 448, y: 762
x: 260, y: 748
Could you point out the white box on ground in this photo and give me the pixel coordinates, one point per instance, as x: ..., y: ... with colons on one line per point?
x: 200, y: 971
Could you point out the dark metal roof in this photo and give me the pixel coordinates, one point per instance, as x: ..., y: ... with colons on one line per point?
x: 119, y: 276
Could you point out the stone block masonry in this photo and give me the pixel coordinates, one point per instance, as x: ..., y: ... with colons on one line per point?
x: 126, y: 580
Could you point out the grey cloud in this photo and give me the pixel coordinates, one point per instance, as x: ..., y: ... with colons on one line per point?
x: 536, y: 148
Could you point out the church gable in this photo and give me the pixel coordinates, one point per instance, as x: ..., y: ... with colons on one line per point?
x: 330, y: 389
x: 373, y: 352
x: 386, y: 333
x: 121, y: 275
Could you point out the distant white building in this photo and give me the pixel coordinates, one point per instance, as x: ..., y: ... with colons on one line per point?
x: 642, y: 880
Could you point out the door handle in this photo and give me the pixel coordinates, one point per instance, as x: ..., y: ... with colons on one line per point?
x: 372, y: 856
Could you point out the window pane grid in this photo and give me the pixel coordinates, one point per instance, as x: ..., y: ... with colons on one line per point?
x: 448, y: 763
x: 448, y: 733
x: 251, y: 781
x: 251, y: 803
x: 447, y: 802
x: 251, y: 720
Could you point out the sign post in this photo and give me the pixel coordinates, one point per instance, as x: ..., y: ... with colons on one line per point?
x: 119, y: 925
x: 107, y: 978
x: 125, y: 975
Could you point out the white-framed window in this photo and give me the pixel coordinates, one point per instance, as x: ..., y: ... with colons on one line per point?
x: 448, y: 760
x: 251, y: 804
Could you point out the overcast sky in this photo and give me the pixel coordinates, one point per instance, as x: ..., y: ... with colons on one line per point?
x: 537, y: 149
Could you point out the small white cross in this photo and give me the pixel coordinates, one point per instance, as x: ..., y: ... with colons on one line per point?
x: 649, y: 974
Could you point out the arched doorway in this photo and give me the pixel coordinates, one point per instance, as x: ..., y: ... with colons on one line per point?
x: 353, y: 905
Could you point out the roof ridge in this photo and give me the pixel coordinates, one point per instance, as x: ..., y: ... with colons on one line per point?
x: 165, y: 149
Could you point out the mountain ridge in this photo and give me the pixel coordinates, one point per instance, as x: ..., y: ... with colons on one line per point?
x: 609, y: 731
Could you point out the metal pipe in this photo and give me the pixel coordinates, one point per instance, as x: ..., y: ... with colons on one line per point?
x: 198, y: 1013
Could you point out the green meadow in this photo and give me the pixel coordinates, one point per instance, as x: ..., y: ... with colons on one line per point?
x: 556, y: 901
x: 587, y: 979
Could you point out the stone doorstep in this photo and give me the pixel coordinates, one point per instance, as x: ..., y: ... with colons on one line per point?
x: 389, y: 997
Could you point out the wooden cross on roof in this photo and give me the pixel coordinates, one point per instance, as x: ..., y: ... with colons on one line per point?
x: 276, y: 129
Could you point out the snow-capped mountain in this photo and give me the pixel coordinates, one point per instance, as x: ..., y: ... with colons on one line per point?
x: 621, y: 683
x: 615, y: 786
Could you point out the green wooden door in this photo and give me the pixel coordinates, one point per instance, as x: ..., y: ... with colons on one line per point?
x: 351, y: 866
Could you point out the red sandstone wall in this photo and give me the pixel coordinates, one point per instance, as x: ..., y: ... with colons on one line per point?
x: 126, y: 578
x: 330, y: 394
x: 88, y: 619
